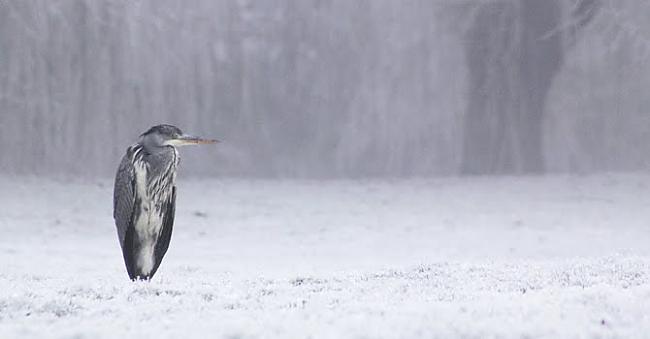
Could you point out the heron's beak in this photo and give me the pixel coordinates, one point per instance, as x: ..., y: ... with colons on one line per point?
x: 184, y: 140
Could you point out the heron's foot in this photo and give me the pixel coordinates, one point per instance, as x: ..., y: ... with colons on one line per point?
x: 141, y: 278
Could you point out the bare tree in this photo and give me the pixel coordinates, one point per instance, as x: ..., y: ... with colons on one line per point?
x: 514, y: 50
x: 327, y: 87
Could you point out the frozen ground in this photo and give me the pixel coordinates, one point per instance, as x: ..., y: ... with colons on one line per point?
x: 474, y: 258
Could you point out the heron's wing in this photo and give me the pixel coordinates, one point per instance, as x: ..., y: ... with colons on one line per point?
x: 165, y: 236
x: 124, y: 196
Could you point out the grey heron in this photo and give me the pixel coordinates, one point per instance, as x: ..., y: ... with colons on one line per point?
x: 144, y: 198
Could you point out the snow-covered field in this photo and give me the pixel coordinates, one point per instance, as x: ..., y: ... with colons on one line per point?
x: 473, y: 258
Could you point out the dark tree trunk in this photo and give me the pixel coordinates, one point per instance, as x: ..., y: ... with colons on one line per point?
x: 512, y: 55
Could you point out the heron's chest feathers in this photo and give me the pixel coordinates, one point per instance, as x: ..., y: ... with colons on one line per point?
x: 155, y: 177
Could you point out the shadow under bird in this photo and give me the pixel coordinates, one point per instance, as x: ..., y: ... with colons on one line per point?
x: 144, y: 198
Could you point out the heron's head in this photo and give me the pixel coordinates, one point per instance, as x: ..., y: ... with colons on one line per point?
x: 168, y: 135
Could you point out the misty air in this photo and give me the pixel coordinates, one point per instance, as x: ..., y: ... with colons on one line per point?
x: 359, y: 169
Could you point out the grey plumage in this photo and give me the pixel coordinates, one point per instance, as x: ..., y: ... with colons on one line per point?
x: 145, y: 197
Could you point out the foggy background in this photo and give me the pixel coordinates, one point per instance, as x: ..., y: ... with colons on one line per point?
x: 492, y: 98
x: 328, y: 88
